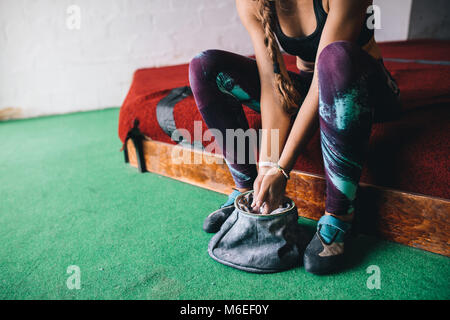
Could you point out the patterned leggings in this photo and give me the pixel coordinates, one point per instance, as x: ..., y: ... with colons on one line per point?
x: 355, y: 90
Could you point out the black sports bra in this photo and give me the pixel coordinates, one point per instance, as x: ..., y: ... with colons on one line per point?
x: 306, y: 47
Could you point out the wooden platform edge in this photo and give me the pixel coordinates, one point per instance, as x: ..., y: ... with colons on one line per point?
x: 411, y: 219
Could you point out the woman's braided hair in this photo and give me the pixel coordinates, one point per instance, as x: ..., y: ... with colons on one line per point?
x: 288, y: 94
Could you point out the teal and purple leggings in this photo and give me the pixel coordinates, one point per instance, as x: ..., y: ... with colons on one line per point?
x: 355, y: 90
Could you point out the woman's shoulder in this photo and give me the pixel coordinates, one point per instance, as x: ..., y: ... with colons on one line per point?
x: 247, y: 10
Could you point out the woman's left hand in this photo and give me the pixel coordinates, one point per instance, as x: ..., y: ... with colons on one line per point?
x: 271, y: 192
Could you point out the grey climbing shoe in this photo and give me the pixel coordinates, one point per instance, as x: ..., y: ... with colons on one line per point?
x: 325, y: 252
x: 215, y: 220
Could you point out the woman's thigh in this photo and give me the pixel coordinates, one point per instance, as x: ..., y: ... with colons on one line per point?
x: 217, y: 74
x: 221, y: 79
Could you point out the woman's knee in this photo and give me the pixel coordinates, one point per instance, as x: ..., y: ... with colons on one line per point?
x: 338, y: 56
x: 205, y: 63
x: 343, y: 97
x: 341, y: 66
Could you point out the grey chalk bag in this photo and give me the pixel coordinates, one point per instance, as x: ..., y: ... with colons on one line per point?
x: 260, y: 243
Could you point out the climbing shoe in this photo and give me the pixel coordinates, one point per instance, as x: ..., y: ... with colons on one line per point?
x: 325, y: 253
x: 215, y: 220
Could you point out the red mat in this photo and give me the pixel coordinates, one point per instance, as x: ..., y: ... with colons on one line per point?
x: 411, y: 154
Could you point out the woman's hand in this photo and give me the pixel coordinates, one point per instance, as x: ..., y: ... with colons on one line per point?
x: 259, y: 179
x: 269, y: 188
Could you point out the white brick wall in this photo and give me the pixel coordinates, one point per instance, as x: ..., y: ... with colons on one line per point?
x: 45, y: 68
x: 395, y: 17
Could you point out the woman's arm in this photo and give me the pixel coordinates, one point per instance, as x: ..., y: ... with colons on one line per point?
x: 344, y: 22
x: 272, y: 113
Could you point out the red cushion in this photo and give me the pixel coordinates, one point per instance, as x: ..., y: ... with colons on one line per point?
x: 410, y: 154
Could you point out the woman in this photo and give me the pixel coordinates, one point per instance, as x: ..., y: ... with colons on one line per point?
x: 342, y: 87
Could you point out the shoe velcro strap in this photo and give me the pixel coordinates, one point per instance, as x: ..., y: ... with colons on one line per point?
x: 234, y: 194
x: 334, y: 222
x: 231, y: 198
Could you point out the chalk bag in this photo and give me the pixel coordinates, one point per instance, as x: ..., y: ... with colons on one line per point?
x: 259, y: 243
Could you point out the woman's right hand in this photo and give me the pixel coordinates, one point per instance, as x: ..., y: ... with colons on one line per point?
x: 257, y: 183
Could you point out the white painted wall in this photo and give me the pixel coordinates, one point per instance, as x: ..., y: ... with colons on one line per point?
x: 45, y: 68
x: 395, y: 16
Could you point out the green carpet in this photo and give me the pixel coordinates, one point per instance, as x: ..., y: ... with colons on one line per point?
x: 67, y: 198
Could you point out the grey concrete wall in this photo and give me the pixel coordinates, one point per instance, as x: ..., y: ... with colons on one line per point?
x: 430, y: 19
